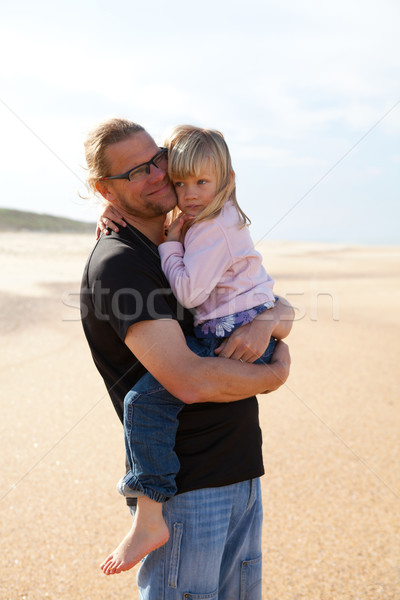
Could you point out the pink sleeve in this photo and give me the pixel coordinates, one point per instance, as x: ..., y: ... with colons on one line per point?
x: 194, y: 272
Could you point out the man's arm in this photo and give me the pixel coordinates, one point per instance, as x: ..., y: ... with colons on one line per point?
x: 161, y: 347
x: 249, y: 341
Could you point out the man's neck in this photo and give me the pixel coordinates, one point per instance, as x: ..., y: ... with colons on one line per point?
x: 151, y: 228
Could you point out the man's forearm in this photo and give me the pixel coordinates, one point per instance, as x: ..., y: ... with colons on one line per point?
x: 226, y: 380
x: 161, y: 347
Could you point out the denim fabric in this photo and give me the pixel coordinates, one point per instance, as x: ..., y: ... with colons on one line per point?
x: 214, y: 550
x: 150, y: 425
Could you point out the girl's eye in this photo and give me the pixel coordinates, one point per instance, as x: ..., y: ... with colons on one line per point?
x: 201, y: 181
x: 178, y: 184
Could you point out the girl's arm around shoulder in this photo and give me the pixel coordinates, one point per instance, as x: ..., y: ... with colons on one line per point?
x: 108, y: 217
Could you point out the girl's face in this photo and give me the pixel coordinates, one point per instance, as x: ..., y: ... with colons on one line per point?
x: 195, y: 193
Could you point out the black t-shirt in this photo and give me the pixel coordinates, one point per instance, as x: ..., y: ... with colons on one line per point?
x: 217, y: 443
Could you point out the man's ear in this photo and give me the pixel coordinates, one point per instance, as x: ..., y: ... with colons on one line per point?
x: 104, y: 189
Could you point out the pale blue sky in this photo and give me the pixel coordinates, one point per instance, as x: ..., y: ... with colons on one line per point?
x: 294, y: 86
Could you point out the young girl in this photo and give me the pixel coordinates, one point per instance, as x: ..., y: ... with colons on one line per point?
x: 212, y: 266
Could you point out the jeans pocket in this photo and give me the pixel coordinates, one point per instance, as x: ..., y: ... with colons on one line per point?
x: 251, y: 579
x: 211, y: 596
x: 175, y: 555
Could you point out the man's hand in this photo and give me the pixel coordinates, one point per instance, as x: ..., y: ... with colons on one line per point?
x: 249, y: 342
x: 107, y: 218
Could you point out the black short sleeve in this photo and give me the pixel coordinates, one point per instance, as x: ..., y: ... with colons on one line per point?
x: 128, y: 289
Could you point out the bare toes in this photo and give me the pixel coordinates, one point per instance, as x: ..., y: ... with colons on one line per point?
x: 104, y: 565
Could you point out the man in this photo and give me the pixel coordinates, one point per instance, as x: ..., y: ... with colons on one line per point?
x: 133, y: 324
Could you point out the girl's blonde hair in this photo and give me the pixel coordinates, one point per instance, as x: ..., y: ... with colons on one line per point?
x: 190, y: 149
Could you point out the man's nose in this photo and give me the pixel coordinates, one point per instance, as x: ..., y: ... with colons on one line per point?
x: 156, y: 173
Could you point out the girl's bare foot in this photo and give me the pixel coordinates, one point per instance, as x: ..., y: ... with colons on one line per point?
x: 148, y: 532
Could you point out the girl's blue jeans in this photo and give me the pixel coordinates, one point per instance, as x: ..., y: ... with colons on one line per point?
x: 150, y: 426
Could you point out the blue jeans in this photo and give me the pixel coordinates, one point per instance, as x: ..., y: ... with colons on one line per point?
x: 150, y: 426
x: 214, y: 551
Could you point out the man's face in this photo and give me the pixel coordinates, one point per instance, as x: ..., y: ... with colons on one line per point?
x: 150, y: 197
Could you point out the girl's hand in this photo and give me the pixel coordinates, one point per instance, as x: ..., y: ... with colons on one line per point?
x: 107, y: 218
x: 175, y: 229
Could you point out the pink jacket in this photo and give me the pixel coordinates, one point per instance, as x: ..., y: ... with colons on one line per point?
x: 218, y: 272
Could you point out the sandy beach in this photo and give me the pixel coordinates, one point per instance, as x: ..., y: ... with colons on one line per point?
x: 331, y: 434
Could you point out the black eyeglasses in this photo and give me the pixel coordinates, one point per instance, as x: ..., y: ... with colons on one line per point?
x: 159, y: 160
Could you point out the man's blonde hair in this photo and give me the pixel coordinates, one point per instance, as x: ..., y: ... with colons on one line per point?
x: 103, y: 135
x: 190, y: 149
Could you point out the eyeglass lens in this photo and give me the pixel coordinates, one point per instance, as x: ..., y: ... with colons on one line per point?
x: 160, y: 160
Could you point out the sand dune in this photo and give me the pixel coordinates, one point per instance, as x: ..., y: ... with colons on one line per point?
x: 331, y: 493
